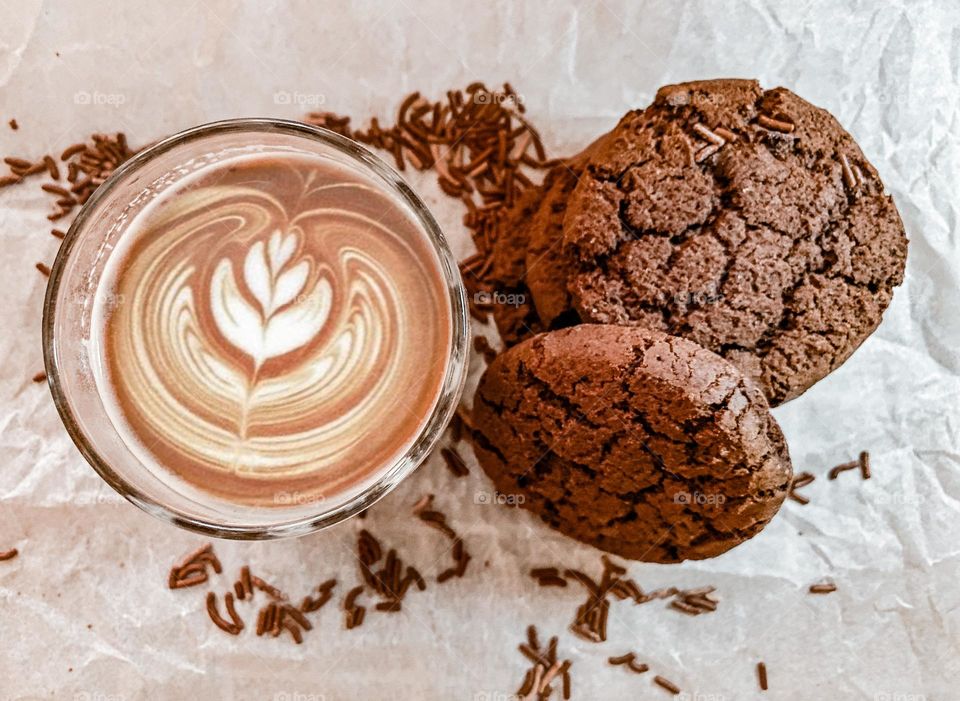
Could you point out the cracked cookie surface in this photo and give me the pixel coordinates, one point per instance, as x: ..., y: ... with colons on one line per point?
x: 745, y: 220
x: 642, y: 444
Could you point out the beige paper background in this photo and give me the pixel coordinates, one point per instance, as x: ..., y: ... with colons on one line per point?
x: 84, y: 612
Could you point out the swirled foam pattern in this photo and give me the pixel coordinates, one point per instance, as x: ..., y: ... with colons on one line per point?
x: 280, y: 330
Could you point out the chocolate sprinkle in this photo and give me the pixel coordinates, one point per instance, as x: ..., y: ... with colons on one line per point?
x: 775, y: 124
x: 823, y: 588
x: 667, y: 684
x: 843, y: 467
x: 455, y: 463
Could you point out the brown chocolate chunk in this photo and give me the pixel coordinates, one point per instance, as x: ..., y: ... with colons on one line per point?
x: 642, y: 444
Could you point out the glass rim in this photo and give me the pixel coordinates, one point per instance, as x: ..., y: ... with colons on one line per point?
x: 402, y: 466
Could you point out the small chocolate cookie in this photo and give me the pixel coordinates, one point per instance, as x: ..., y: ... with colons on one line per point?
x: 642, y: 444
x: 513, y: 310
x: 527, y: 260
x: 746, y: 220
x: 546, y: 269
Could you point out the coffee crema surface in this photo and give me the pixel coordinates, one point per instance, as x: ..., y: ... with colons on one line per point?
x: 275, y: 330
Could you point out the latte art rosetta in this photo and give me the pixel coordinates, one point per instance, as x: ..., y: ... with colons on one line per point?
x: 284, y: 330
x: 282, y: 319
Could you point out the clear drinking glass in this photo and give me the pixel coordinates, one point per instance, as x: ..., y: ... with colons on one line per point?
x: 74, y: 283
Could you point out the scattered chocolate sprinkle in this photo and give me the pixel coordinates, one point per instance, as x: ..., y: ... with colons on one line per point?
x: 629, y: 660
x: 627, y: 589
x: 776, y: 124
x: 267, y: 588
x: 192, y: 570
x: 73, y: 150
x: 390, y: 581
x: 232, y: 612
x: 662, y: 593
x: 437, y: 520
x: 234, y: 627
x: 686, y: 608
x: 536, y: 685
x: 9, y: 554
x: 478, y: 143
x: 548, y: 577
x: 709, y: 135
x: 584, y: 579
x: 354, y: 613
x: 88, y: 166
x: 454, y: 462
x: 858, y: 175
x: 849, y: 177
x: 294, y: 631
x: 591, y: 617
x: 823, y: 588
x: 864, y: 461
x: 56, y: 189
x: 51, y: 166
x: 40, y: 377
x: 705, y: 153
x: 843, y: 467
x: 13, y: 124
x: 18, y: 163
x: 297, y: 616
x: 245, y: 581
x: 666, y: 684
x: 269, y: 613
x: 695, y: 601
x: 368, y: 548
x: 762, y: 675
x: 262, y: 620
x: 44, y: 270
x: 725, y: 134
x: 325, y: 590
x: 799, y: 481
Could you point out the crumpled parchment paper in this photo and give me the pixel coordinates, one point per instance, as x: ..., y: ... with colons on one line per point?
x: 84, y: 610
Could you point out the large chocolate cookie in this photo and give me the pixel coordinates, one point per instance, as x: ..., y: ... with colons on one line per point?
x: 746, y: 220
x: 642, y: 444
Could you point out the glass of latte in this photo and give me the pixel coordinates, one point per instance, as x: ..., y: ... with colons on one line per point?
x: 255, y: 329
